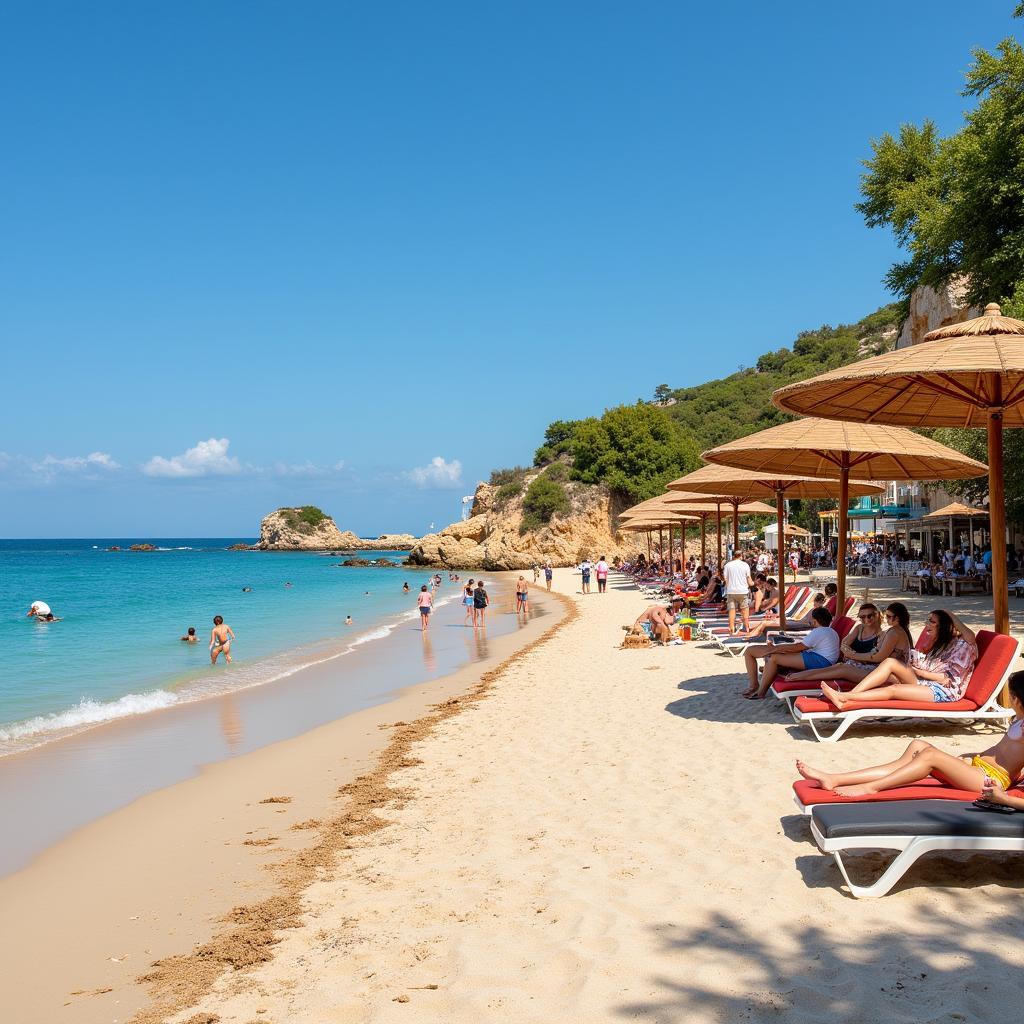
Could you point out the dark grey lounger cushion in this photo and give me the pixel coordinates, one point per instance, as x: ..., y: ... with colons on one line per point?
x: 915, y: 818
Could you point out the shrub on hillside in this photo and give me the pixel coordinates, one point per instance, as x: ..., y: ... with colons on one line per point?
x: 304, y: 519
x: 544, y: 499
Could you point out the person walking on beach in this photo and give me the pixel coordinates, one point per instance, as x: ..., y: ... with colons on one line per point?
x: 480, y: 603
x: 548, y: 573
x: 522, y: 596
x: 536, y: 572
x: 738, y: 582
x: 601, y: 571
x: 220, y: 640
x: 425, y: 601
x: 467, y: 601
x: 585, y: 568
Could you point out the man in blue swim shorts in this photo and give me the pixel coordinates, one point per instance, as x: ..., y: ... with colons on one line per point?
x: 819, y: 648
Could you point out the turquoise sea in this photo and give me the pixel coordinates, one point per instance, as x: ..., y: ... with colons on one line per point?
x: 116, y: 651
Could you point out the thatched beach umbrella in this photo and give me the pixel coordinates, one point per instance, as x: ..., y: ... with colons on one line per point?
x: 655, y: 515
x: 845, y: 451
x: 963, y: 375
x: 957, y: 510
x: 745, y: 483
x: 697, y: 506
x: 694, y: 502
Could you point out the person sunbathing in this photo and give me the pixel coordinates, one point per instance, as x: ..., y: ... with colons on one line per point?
x: 990, y: 773
x: 766, y: 597
x: 867, y: 645
x: 817, y: 650
x: 937, y: 675
x: 800, y: 625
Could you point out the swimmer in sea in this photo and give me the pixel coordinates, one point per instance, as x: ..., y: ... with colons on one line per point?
x: 405, y: 588
x: 246, y: 590
x: 348, y: 620
x: 220, y: 640
x: 48, y: 617
x: 190, y: 637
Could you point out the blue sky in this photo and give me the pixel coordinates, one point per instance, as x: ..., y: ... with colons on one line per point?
x: 359, y: 255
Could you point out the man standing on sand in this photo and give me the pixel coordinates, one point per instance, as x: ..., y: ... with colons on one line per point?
x: 522, y: 596
x: 425, y: 602
x: 585, y: 568
x: 737, y: 592
x: 601, y: 570
x: 548, y: 573
x: 480, y: 603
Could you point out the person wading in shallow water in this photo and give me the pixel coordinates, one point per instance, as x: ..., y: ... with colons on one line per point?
x: 220, y: 640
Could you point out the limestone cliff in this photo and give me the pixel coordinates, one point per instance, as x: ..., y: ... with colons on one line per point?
x: 309, y: 529
x: 931, y: 308
x: 490, y: 538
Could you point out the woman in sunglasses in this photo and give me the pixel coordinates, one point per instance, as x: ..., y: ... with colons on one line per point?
x: 868, y: 644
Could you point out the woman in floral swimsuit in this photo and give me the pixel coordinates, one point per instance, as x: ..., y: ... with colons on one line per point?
x: 936, y: 675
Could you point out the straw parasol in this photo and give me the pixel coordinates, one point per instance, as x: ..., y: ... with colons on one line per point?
x: 654, y: 514
x: 963, y: 375
x: 700, y: 507
x: 745, y: 483
x: 862, y: 451
x: 957, y: 510
x: 694, y: 501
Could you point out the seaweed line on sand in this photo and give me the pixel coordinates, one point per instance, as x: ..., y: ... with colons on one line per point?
x: 249, y: 933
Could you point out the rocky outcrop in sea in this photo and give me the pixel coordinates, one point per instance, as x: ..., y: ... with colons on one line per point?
x: 307, y: 529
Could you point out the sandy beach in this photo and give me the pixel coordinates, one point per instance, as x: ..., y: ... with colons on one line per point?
x: 87, y: 916
x: 589, y: 835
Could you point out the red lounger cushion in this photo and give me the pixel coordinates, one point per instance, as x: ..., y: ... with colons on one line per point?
x: 995, y: 652
x: 808, y: 792
x: 781, y: 686
x: 811, y: 704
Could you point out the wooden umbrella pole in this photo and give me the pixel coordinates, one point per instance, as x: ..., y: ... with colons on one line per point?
x: 735, y: 529
x: 780, y: 509
x: 648, y: 547
x: 718, y: 517
x: 661, y: 544
x: 997, y: 515
x: 703, y: 539
x: 844, y: 503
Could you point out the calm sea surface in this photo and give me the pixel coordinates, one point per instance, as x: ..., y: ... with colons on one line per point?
x: 117, y: 653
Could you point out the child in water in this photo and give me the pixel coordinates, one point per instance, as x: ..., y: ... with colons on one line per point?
x: 220, y: 640
x: 190, y: 636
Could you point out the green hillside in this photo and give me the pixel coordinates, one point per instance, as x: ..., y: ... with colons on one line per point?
x: 741, y: 403
x: 634, y: 450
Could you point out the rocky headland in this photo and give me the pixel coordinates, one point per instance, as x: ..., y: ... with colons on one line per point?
x: 493, y: 537
x: 310, y: 529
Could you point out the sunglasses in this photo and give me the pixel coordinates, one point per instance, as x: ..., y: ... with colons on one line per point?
x: 866, y: 616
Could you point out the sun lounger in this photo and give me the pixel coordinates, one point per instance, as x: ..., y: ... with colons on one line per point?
x: 784, y: 689
x: 807, y: 795
x: 737, y: 645
x: 913, y: 828
x: 717, y: 631
x: 794, y: 597
x: 980, y: 701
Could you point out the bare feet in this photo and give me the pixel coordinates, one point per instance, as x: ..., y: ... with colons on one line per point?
x: 863, y: 790
x: 813, y: 775
x: 834, y: 695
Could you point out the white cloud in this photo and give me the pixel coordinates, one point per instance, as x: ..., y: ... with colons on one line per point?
x: 76, y: 463
x: 437, y: 473
x: 207, y: 458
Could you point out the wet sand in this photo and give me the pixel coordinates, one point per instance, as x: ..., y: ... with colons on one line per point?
x: 149, y: 879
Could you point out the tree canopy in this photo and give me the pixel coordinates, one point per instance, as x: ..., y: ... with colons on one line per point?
x: 956, y: 204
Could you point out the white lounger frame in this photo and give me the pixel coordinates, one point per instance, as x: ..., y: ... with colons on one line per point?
x: 991, y: 710
x: 910, y: 848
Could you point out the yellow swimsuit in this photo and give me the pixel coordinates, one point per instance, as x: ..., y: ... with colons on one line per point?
x: 993, y: 771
